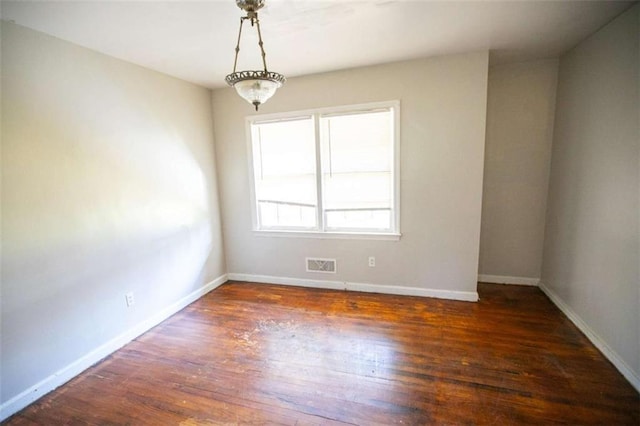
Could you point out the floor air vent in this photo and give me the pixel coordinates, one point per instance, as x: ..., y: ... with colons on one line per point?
x: 315, y: 264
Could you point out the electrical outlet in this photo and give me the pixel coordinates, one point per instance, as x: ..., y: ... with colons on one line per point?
x: 372, y: 261
x: 130, y: 300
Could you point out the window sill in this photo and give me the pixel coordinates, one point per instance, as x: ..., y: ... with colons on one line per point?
x: 329, y: 235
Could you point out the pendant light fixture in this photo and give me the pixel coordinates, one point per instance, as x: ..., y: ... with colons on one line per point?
x: 254, y: 86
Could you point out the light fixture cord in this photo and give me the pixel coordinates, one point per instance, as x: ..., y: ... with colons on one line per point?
x: 254, y: 20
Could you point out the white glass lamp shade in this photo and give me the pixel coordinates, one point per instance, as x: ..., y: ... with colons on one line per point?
x: 256, y: 87
x: 256, y: 92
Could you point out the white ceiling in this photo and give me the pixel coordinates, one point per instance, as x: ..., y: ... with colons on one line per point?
x: 195, y: 40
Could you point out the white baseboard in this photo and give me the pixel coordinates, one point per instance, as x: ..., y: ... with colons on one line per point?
x: 468, y: 296
x: 298, y: 282
x: 597, y: 341
x: 502, y: 279
x: 67, y: 373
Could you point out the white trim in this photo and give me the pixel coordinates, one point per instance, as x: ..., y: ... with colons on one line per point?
x: 597, y: 341
x: 468, y: 296
x: 317, y: 138
x: 353, y: 108
x: 315, y: 115
x: 396, y: 166
x: 503, y: 279
x: 67, y: 373
x: 327, y: 235
x: 297, y: 282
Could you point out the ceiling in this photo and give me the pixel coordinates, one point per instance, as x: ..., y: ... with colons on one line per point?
x: 195, y: 40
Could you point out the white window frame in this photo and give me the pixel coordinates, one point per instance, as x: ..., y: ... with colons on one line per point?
x: 320, y: 231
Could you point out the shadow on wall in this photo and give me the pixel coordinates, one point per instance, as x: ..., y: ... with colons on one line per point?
x: 107, y: 188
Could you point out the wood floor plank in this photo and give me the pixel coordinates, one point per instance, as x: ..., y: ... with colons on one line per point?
x: 266, y: 354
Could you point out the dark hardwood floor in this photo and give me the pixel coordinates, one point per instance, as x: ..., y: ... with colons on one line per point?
x: 266, y: 354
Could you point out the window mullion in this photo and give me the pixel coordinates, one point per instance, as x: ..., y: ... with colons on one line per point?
x: 320, y: 212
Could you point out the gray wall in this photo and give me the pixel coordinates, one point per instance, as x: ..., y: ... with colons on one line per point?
x: 443, y: 114
x: 108, y: 186
x: 520, y: 111
x: 591, y: 248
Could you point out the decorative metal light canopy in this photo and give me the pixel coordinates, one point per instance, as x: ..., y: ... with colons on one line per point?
x: 254, y: 86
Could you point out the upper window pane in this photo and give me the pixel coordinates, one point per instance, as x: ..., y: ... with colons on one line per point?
x: 285, y: 173
x: 357, y: 170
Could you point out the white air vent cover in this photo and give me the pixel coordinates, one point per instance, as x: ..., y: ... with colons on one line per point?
x: 315, y: 264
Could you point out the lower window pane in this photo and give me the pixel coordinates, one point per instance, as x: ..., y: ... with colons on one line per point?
x: 358, y: 219
x: 282, y: 214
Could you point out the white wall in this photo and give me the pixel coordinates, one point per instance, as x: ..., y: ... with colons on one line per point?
x: 443, y: 114
x: 591, y: 249
x: 108, y: 186
x: 520, y: 111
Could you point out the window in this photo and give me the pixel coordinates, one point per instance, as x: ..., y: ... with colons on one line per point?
x: 330, y: 171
